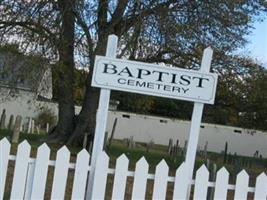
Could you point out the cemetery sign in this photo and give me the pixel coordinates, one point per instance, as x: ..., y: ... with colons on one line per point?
x: 156, y: 80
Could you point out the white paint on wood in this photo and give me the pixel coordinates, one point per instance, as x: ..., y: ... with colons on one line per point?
x: 40, y: 172
x: 120, y: 177
x: 180, y: 185
x: 100, y: 181
x: 160, y: 181
x: 80, y: 176
x: 29, y: 181
x: 60, y: 173
x: 4, y: 154
x: 221, y: 184
x: 241, y: 189
x: 101, y: 117
x: 20, y: 173
x: 196, y: 121
x: 201, y: 183
x: 261, y: 187
x: 140, y: 179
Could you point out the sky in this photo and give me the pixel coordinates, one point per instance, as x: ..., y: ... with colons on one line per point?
x: 257, y: 46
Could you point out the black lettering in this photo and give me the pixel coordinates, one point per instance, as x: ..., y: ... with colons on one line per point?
x: 185, y: 80
x: 112, y: 69
x: 143, y: 84
x: 125, y: 71
x: 160, y: 75
x: 121, y: 81
x: 200, y: 81
x: 140, y: 73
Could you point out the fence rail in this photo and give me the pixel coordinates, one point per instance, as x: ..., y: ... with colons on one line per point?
x: 30, y: 177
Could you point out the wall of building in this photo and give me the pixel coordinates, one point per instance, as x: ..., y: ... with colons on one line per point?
x: 148, y: 128
x: 158, y: 129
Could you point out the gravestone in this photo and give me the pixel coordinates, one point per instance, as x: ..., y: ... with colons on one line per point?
x: 16, y: 131
x: 225, y: 152
x: 3, y: 120
x: 170, y: 146
x: 205, y: 150
x: 47, y: 127
x: 10, y: 123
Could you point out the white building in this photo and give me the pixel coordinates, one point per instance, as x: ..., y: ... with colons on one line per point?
x: 159, y: 130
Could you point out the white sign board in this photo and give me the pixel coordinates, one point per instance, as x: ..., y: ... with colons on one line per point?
x: 156, y: 80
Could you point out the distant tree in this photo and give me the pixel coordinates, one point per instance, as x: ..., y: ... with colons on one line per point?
x: 169, y: 31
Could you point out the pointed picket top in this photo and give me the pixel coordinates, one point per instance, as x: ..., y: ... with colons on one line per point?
x: 122, y: 159
x: 222, y: 179
x: 4, y: 142
x: 63, y: 150
x: 161, y: 180
x: 100, y: 180
x: 181, y: 182
x: 60, y: 173
x: 40, y: 172
x: 43, y: 148
x: 241, y: 188
x: 24, y: 145
x: 120, y: 177
x: 103, y: 157
x: 5, y: 150
x: 140, y: 179
x: 80, y: 176
x: 201, y: 183
x: 261, y: 187
x: 142, y: 162
x: 20, y: 171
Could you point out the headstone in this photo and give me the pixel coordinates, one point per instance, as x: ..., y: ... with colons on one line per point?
x: 205, y: 150
x: 225, y: 152
x: 149, y: 145
x: 29, y: 125
x: 170, y: 146
x: 47, y: 127
x: 3, y: 120
x: 10, y: 123
x: 33, y: 126
x: 131, y: 142
x: 112, y: 132
x: 85, y: 138
x: 16, y: 131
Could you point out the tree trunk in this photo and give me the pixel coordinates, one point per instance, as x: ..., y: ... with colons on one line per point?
x: 65, y: 74
x: 87, y: 118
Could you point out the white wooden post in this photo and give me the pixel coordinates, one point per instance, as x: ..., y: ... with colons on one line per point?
x: 101, y: 117
x: 195, y: 122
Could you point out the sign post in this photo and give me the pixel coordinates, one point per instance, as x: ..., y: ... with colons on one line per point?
x: 101, y: 118
x: 195, y: 123
x: 137, y: 77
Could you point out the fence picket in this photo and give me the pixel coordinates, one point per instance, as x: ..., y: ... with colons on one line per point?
x: 221, y: 184
x: 80, y: 176
x: 261, y: 187
x: 241, y: 188
x: 60, y: 173
x: 201, y: 183
x: 160, y: 181
x: 21, y: 168
x: 101, y: 171
x: 180, y: 184
x: 140, y: 179
x: 40, y: 172
x: 120, y: 177
x: 4, y: 153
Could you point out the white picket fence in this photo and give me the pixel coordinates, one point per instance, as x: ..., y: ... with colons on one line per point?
x: 30, y: 177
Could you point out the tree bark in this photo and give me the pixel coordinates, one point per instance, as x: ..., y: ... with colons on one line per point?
x: 65, y: 71
x: 86, y: 120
